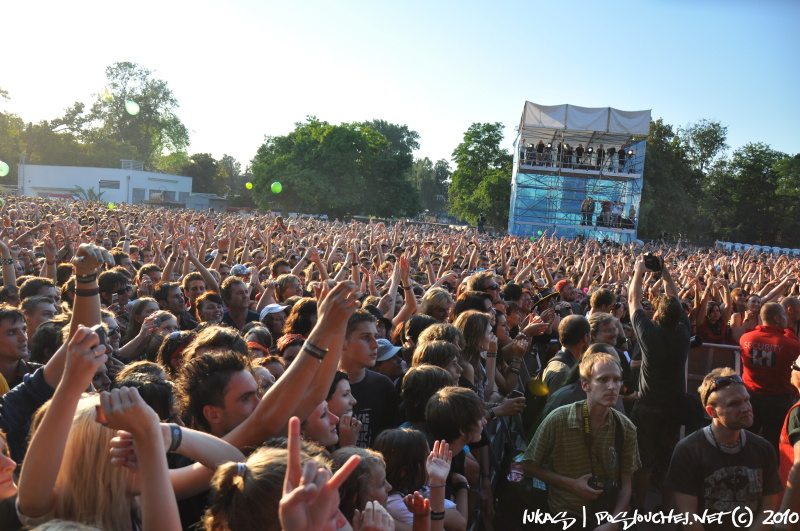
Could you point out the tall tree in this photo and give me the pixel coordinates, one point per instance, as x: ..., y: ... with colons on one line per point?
x: 208, y: 174
x: 745, y: 202
x: 151, y: 132
x: 336, y: 170
x: 430, y: 181
x: 703, y: 142
x: 481, y: 182
x: 671, y: 192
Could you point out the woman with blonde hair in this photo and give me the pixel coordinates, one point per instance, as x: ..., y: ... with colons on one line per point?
x: 67, y: 473
x: 437, y: 303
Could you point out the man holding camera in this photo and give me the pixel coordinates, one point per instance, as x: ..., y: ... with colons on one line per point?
x: 589, y: 447
x: 664, y: 341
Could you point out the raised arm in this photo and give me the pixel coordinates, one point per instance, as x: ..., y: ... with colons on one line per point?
x: 37, y: 495
x: 274, y: 410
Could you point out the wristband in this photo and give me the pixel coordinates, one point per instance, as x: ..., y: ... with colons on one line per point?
x: 437, y: 515
x: 514, y: 370
x: 516, y: 360
x: 436, y: 486
x: 490, y: 411
x: 86, y: 279
x: 50, y: 263
x: 87, y: 292
x: 177, y: 437
x: 491, y: 354
x: 6, y: 261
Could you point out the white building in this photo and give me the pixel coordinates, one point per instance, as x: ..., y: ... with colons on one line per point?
x: 128, y: 184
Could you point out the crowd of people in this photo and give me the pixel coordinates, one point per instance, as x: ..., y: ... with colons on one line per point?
x: 562, y: 154
x: 173, y: 369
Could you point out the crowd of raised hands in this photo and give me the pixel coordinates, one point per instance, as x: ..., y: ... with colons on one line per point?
x: 101, y: 455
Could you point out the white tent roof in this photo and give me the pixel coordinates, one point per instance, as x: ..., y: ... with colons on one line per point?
x: 581, y: 124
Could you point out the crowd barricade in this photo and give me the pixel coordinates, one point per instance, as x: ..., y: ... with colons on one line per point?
x: 709, y: 356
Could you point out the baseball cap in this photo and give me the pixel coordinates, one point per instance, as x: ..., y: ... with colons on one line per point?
x: 386, y: 350
x: 239, y: 269
x: 271, y: 308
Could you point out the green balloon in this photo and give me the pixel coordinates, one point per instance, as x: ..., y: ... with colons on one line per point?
x: 111, y: 206
x: 249, y: 186
x: 533, y: 238
x: 3, y: 169
x: 132, y: 107
x: 539, y: 233
x: 276, y: 187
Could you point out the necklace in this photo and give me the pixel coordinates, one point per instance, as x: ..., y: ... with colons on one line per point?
x: 738, y: 469
x: 737, y: 444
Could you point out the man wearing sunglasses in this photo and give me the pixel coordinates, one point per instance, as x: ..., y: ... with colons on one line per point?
x: 723, y: 467
x: 767, y: 355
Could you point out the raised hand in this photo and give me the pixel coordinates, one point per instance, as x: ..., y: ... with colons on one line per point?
x: 310, y: 499
x: 438, y: 462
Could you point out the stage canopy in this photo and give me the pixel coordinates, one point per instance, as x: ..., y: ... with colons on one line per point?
x: 589, y: 126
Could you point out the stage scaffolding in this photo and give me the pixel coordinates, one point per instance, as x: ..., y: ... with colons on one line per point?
x: 550, y: 183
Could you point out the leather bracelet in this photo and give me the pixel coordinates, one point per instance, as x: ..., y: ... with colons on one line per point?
x: 86, y: 279
x: 459, y: 486
x: 437, y: 515
x: 177, y: 437
x: 312, y: 353
x: 91, y: 292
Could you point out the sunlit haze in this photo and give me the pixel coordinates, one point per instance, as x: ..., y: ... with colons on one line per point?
x: 245, y: 69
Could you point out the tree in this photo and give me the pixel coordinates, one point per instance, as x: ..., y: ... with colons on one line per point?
x: 703, y: 142
x: 672, y: 193
x: 744, y: 199
x: 87, y: 194
x: 149, y: 134
x: 336, y: 170
x: 208, y: 175
x: 430, y: 182
x: 482, y: 180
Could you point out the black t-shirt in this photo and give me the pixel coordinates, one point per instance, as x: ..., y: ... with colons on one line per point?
x: 664, y: 353
x: 376, y: 406
x: 724, y: 481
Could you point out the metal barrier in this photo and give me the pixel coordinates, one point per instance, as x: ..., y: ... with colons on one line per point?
x: 703, y: 359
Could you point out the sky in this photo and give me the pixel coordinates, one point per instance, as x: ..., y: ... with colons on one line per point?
x: 244, y: 69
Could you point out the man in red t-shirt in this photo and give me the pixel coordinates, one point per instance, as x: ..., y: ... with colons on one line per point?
x: 767, y: 355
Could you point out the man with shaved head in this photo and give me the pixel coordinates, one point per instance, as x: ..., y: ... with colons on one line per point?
x: 767, y: 355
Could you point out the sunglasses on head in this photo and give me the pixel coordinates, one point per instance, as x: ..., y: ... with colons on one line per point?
x: 724, y: 381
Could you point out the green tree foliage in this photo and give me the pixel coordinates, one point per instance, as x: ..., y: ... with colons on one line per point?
x: 481, y: 182
x: 336, y: 170
x: 208, y: 174
x: 703, y: 141
x: 430, y: 181
x: 672, y: 188
x: 751, y: 195
x: 148, y: 135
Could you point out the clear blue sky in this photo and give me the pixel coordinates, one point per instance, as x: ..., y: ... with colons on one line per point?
x: 243, y: 69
